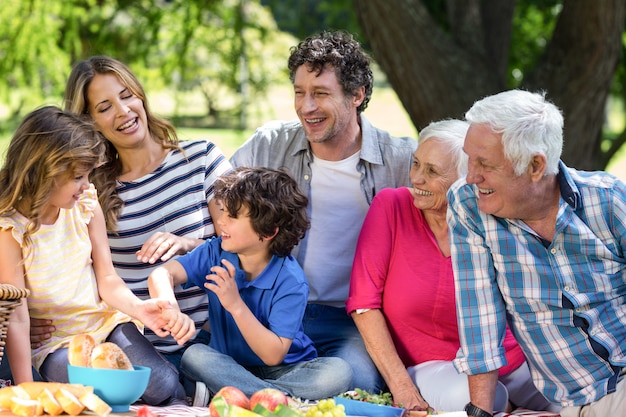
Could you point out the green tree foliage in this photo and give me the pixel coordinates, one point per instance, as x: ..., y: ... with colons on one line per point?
x: 222, y: 48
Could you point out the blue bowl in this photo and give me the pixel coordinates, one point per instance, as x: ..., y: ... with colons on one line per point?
x: 362, y: 408
x: 117, y: 387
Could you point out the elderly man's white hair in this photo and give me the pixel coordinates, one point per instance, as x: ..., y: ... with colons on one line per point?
x: 530, y: 125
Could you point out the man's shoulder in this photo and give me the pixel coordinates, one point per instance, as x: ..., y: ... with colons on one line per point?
x: 277, y: 129
x: 379, y: 145
x: 273, y: 140
x: 597, y: 179
x: 382, y: 136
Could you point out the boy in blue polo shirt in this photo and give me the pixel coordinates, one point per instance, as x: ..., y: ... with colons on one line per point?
x: 257, y: 293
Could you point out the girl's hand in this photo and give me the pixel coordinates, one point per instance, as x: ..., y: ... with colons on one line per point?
x: 150, y: 313
x: 223, y: 284
x: 163, y: 246
x: 165, y: 319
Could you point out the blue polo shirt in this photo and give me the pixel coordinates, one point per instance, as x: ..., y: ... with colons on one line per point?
x: 277, y: 297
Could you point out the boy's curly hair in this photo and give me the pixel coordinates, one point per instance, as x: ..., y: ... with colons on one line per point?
x: 273, y: 200
x: 340, y: 50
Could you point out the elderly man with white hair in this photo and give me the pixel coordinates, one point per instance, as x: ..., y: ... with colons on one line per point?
x: 541, y: 246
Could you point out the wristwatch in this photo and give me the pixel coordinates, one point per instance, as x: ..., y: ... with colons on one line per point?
x: 472, y: 410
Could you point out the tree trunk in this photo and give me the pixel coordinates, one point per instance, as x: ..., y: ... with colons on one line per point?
x: 439, y: 74
x: 577, y: 70
x: 434, y: 74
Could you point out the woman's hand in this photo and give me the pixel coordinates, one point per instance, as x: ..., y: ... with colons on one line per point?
x: 163, y: 246
x: 40, y: 331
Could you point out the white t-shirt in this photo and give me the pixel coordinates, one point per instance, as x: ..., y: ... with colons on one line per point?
x: 337, y: 208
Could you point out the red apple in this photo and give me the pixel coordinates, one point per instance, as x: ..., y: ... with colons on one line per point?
x: 232, y: 396
x: 268, y: 398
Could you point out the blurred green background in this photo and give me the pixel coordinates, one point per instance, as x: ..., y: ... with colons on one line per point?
x: 217, y: 68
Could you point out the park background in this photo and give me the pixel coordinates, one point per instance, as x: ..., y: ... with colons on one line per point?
x: 217, y: 68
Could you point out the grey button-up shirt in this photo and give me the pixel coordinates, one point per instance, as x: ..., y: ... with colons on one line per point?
x: 385, y: 160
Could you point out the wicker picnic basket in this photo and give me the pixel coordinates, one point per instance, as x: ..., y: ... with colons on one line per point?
x: 10, y: 297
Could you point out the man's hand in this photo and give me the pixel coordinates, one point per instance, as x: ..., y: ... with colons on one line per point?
x: 40, y: 331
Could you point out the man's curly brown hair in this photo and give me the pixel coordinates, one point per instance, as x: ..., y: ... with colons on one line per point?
x: 340, y: 50
x: 273, y: 201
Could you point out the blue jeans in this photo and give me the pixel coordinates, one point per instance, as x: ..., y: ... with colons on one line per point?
x: 174, y: 358
x: 203, y: 337
x: 5, y: 370
x: 163, y: 384
x: 334, y: 334
x: 313, y: 380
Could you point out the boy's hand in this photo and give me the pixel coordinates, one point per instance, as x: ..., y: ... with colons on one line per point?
x: 165, y: 319
x: 223, y: 284
x: 179, y: 325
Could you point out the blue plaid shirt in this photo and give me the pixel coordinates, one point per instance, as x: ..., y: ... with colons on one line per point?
x: 565, y: 299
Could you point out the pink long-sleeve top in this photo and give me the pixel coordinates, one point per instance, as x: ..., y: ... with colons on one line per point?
x: 399, y: 269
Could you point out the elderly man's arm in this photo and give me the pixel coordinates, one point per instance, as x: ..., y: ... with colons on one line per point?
x: 482, y: 389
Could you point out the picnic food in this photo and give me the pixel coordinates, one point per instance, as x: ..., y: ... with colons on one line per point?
x: 52, y: 398
x: 326, y: 406
x: 232, y: 396
x: 111, y: 356
x: 79, y: 350
x: 69, y: 402
x: 8, y: 393
x: 49, y: 403
x: 26, y: 407
x: 268, y: 398
x: 83, y: 351
x: 95, y: 403
x: 384, y: 398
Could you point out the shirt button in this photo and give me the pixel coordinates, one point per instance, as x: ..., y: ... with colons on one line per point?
x: 553, y: 251
x: 306, y: 177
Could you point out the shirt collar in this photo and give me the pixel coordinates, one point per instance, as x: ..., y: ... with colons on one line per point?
x: 266, y: 279
x: 370, y: 151
x: 569, y: 190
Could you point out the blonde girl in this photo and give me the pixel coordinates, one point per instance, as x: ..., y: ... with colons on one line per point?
x: 53, y: 240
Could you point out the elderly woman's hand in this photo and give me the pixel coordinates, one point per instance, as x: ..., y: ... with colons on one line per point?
x: 410, y: 398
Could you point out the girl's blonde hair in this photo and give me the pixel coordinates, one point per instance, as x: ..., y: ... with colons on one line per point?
x: 47, y: 149
x: 76, y: 101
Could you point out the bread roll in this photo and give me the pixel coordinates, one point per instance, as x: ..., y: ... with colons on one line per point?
x: 79, y: 350
x: 95, y: 404
x: 69, y: 402
x: 34, y: 388
x: 49, y: 402
x: 111, y: 356
x: 7, y: 394
x: 26, y: 407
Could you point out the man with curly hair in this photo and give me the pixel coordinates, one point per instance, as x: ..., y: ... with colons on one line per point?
x: 340, y: 162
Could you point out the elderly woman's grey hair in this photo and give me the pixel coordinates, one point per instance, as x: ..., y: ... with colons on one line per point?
x: 450, y: 132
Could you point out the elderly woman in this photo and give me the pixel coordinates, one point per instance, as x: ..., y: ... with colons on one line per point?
x: 402, y: 295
